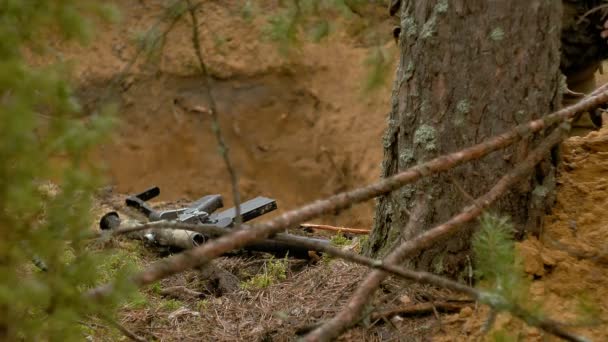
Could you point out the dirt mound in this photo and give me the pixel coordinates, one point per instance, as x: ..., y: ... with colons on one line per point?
x: 568, y: 265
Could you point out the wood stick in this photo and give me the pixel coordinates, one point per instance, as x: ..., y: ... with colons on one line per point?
x: 419, y: 309
x: 335, y: 229
x: 181, y: 292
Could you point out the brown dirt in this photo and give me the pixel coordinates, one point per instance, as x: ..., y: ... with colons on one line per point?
x: 568, y: 265
x: 301, y: 129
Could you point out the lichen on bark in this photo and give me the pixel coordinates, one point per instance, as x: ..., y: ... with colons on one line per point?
x: 467, y: 71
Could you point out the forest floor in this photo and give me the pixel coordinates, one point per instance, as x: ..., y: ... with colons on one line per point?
x: 300, y: 128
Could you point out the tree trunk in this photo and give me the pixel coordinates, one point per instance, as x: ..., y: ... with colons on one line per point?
x: 469, y: 69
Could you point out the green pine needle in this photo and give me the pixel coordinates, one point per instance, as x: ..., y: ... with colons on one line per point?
x: 496, y: 261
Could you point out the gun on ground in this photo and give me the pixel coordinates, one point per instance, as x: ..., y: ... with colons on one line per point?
x: 202, y: 212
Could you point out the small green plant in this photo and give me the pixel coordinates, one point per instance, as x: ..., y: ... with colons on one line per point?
x: 283, y: 29
x: 497, y: 265
x: 274, y: 272
x: 340, y: 240
x: 114, y: 262
x: 156, y: 288
x: 171, y: 304
x: 202, y: 305
x: 138, y: 301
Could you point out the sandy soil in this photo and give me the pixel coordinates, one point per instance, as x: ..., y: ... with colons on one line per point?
x: 568, y: 265
x: 298, y: 128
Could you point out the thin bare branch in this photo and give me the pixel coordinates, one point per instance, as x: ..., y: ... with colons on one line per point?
x: 181, y: 292
x: 419, y: 308
x: 201, y: 255
x: 591, y: 11
x: 352, y: 311
x: 223, y: 147
x: 335, y: 229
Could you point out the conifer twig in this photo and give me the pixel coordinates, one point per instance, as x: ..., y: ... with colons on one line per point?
x: 352, y: 311
x: 203, y: 254
x: 223, y: 147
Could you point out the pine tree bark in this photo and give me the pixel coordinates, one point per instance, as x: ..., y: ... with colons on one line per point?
x: 468, y: 70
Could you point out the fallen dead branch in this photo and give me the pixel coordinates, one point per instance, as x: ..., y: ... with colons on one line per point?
x: 335, y: 229
x: 352, y: 311
x: 180, y: 292
x: 419, y: 309
x: 241, y: 237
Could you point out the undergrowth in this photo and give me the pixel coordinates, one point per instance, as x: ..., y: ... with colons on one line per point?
x: 274, y: 271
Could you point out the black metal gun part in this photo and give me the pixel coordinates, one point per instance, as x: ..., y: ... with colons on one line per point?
x: 249, y: 210
x: 139, y: 201
x: 201, y: 211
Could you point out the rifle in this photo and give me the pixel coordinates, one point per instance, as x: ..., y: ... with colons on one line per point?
x: 202, y: 212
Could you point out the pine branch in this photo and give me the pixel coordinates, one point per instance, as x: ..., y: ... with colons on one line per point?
x: 223, y: 147
x: 352, y: 311
x: 201, y: 255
